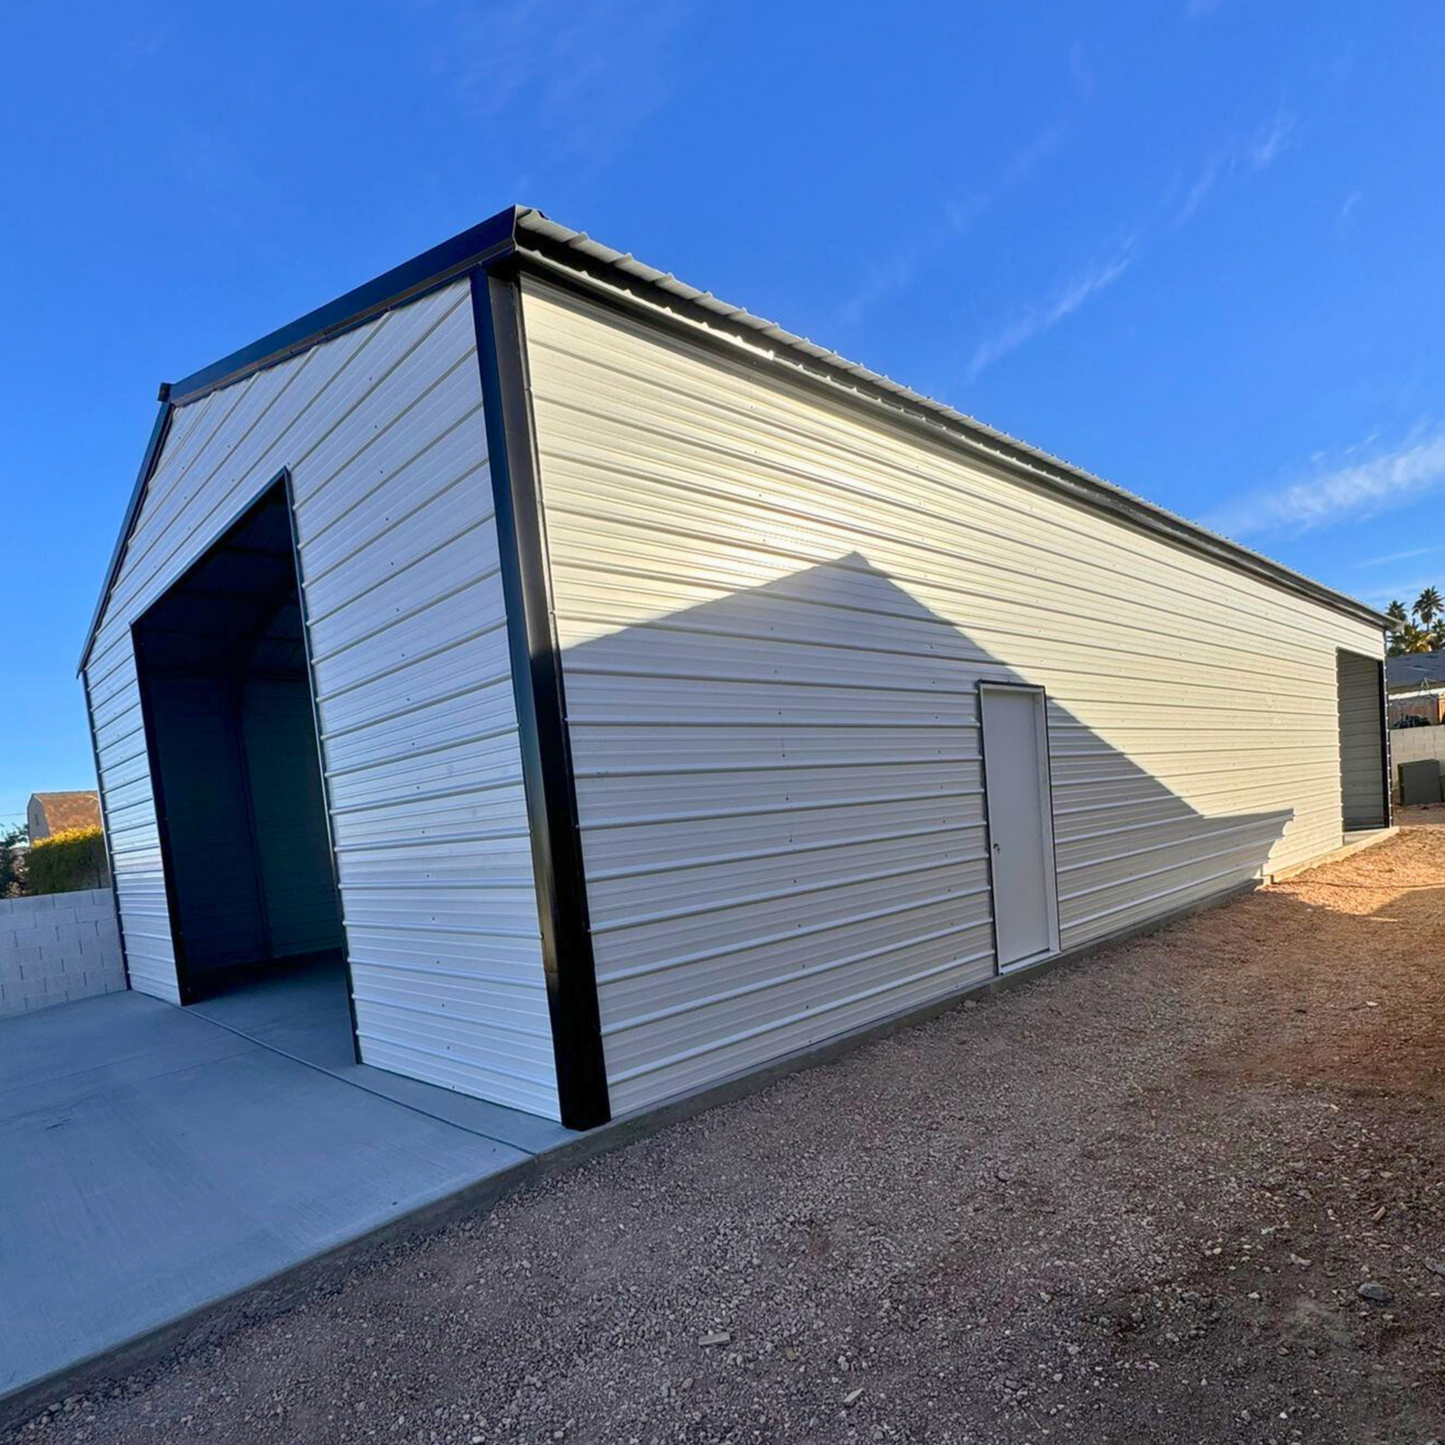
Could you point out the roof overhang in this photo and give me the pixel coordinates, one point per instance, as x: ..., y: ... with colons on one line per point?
x: 525, y: 236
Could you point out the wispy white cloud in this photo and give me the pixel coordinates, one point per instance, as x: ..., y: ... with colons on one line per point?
x: 210, y: 170
x: 1346, y: 214
x: 1025, y: 161
x: 882, y: 280
x: 1350, y: 493
x: 136, y: 49
x: 1199, y: 191
x: 1402, y: 589
x: 955, y: 218
x: 1258, y: 153
x: 1044, y: 316
x: 213, y: 166
x: 1272, y: 142
x: 589, y: 71
x: 1394, y: 557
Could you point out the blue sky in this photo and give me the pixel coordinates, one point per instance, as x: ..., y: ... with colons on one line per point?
x: 1193, y: 246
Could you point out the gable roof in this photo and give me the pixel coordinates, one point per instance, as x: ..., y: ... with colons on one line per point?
x: 530, y: 236
x: 67, y: 810
x: 1415, y: 669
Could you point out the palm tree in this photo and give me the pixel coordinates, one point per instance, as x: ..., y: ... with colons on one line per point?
x: 1406, y: 637
x: 1399, y: 620
x: 1428, y: 606
x: 1413, y: 639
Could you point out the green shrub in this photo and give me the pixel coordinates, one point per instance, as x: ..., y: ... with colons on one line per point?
x: 12, y: 861
x: 73, y: 858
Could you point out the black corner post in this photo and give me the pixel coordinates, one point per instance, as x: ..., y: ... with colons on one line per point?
x: 1387, y: 771
x: 541, y: 702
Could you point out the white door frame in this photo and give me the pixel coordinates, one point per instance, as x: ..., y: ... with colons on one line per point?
x: 1046, y: 810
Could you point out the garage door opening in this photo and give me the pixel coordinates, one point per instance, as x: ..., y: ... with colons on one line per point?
x: 1364, y: 772
x: 226, y: 697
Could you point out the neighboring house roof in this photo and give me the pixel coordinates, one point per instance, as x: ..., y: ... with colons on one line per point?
x: 1415, y: 670
x: 50, y: 813
x: 526, y: 233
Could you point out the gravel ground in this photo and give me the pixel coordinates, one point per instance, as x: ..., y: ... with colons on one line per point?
x: 1133, y: 1201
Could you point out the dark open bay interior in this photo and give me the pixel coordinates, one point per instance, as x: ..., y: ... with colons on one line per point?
x: 235, y: 761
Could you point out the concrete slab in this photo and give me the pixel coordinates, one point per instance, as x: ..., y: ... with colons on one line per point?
x: 154, y: 1161
x: 298, y: 1011
x: 303, y: 1012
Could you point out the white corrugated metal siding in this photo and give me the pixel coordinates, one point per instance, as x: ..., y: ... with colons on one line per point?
x: 774, y: 611
x: 1362, y: 764
x: 383, y: 431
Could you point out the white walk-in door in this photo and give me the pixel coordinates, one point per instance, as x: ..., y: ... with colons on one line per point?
x: 1020, y: 831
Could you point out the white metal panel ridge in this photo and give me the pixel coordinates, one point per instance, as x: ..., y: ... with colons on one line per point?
x: 383, y: 433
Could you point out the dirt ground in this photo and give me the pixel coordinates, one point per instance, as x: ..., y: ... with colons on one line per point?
x: 1133, y: 1201
x: 1421, y: 815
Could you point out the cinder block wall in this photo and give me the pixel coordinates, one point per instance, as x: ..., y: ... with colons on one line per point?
x: 1407, y: 745
x: 1411, y: 745
x: 57, y: 948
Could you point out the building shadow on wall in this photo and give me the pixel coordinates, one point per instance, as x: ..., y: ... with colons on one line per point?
x: 820, y: 733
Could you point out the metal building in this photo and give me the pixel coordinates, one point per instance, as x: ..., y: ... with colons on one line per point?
x: 632, y: 694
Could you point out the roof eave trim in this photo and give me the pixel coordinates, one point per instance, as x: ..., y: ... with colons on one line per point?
x: 544, y: 245
x: 480, y: 245
x: 148, y: 464
x: 477, y: 246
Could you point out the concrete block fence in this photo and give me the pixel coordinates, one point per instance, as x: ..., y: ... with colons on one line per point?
x: 1413, y: 745
x: 57, y: 948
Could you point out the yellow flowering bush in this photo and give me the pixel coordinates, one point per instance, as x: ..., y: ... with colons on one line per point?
x: 70, y: 859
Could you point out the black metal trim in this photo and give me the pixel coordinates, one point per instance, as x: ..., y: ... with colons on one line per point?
x: 159, y: 431
x: 537, y: 683
x: 1056, y: 929
x: 285, y: 480
x: 158, y: 797
x: 1386, y: 768
x: 105, y: 836
x: 435, y: 267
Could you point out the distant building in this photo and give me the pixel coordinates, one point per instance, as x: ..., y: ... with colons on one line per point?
x: 48, y: 813
x: 1416, y: 686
